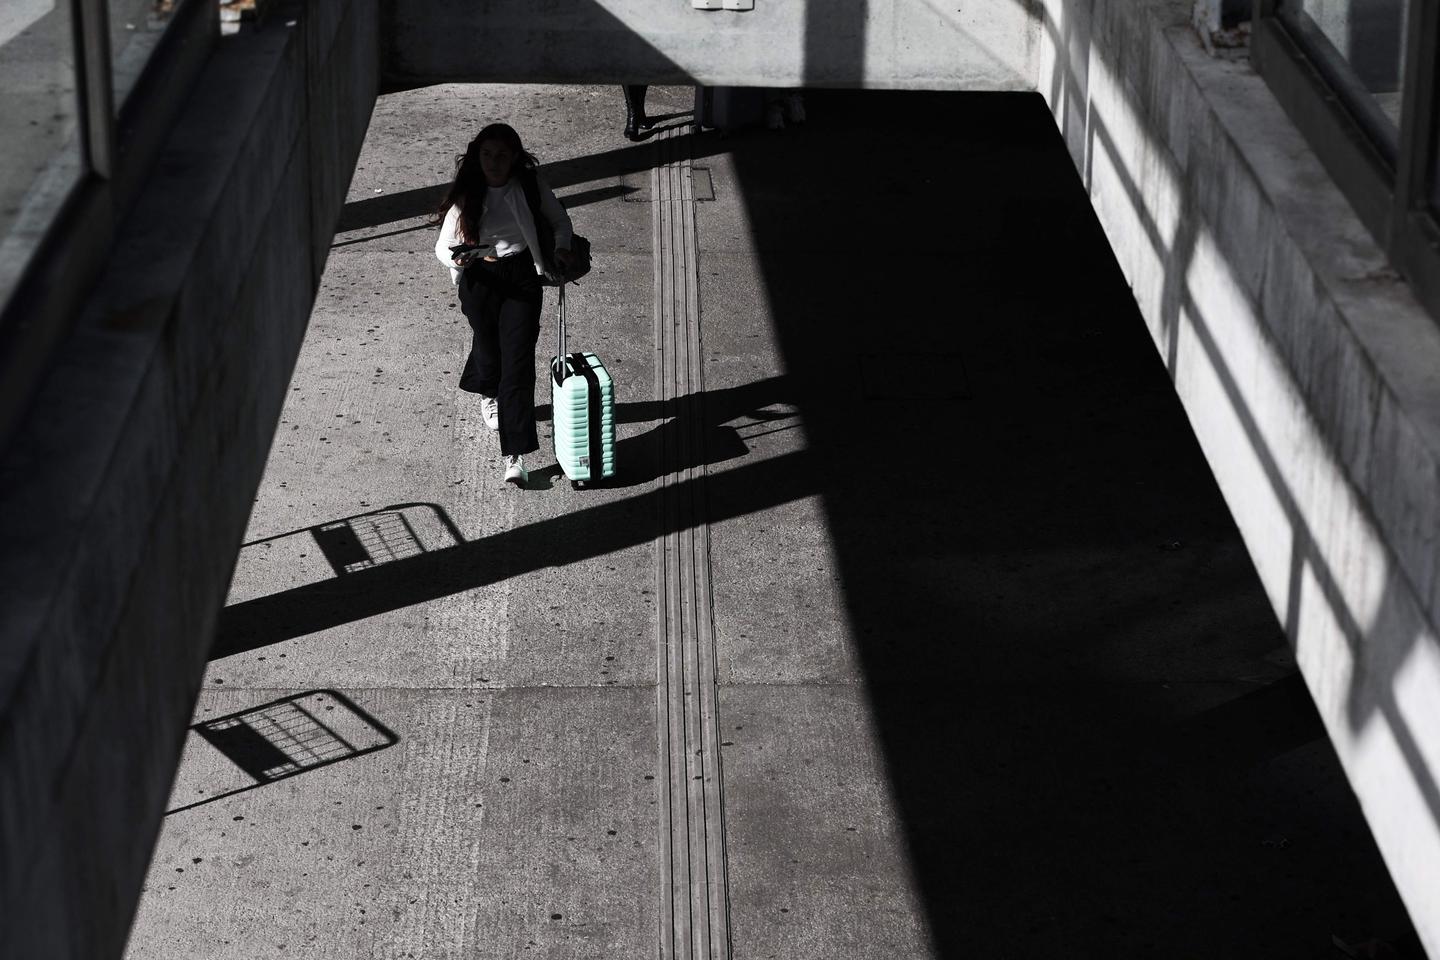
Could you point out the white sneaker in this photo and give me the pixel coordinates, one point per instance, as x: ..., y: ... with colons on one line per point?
x: 515, y: 471
x: 490, y: 410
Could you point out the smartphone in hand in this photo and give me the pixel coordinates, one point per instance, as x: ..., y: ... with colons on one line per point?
x: 465, y: 253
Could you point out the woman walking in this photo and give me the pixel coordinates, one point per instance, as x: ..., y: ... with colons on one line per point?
x: 511, y: 233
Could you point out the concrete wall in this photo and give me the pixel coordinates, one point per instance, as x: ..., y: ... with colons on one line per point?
x: 1307, y: 371
x: 914, y: 44
x: 127, y: 489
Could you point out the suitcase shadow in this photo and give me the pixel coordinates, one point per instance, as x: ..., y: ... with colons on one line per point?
x: 698, y: 430
x: 544, y: 478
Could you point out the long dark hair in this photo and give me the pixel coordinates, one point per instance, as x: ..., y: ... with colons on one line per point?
x: 468, y: 189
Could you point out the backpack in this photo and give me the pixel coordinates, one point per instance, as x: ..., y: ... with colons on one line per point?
x: 579, y: 246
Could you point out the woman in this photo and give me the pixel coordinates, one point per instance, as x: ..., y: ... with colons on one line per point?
x: 491, y: 209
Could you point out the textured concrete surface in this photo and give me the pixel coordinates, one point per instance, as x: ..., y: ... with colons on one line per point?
x: 512, y: 822
x: 818, y: 864
x: 1306, y: 368
x: 996, y: 675
x: 508, y: 643
x: 963, y: 45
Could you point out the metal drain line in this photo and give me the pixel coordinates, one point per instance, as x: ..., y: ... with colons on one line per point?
x: 694, y: 908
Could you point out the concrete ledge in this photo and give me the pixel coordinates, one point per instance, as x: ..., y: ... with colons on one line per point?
x: 127, y: 491
x: 1307, y: 370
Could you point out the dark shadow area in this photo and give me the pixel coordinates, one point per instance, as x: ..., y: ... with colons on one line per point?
x: 660, y: 122
x: 391, y: 207
x: 560, y: 541
x: 1371, y: 696
x: 382, y: 236
x: 375, y: 537
x: 1087, y: 708
x: 1375, y: 655
x: 285, y: 738
x: 357, y: 547
x: 422, y: 201
x: 415, y: 198
x: 835, y: 33
x: 700, y: 430
x: 704, y: 426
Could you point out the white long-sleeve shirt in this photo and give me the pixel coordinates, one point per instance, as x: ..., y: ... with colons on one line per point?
x: 505, y: 211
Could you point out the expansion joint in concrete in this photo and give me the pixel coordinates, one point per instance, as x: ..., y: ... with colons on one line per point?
x: 694, y: 908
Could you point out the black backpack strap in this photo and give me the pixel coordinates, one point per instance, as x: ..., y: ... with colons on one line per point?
x: 544, y: 232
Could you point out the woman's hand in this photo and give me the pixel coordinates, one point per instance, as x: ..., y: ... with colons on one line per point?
x: 564, y: 259
x: 464, y: 258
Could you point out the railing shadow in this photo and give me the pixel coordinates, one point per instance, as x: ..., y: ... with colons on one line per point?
x: 278, y: 740
x: 580, y: 535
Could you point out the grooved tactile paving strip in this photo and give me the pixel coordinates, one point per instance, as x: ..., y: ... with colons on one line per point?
x: 694, y: 909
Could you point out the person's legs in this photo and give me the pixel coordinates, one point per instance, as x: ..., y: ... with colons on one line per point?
x: 519, y: 331
x: 635, y: 109
x: 481, y: 305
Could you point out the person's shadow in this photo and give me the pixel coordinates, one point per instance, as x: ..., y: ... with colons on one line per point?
x: 699, y: 429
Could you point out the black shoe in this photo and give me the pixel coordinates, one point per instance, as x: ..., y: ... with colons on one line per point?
x: 635, y: 110
x: 632, y: 126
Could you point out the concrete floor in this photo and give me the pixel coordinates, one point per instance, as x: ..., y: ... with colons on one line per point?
x: 996, y: 678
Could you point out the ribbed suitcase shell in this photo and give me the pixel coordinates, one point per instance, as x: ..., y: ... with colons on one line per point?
x: 583, y: 400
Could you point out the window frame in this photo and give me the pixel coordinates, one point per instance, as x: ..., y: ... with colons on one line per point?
x: 117, y: 149
x: 1390, y: 189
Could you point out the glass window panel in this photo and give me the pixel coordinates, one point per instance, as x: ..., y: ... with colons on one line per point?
x: 1365, y: 37
x: 40, y: 147
x: 135, y: 29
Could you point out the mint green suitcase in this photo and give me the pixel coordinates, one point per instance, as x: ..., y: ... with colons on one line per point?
x: 583, y: 400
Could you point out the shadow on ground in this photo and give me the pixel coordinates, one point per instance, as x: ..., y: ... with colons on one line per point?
x: 1092, y: 724
x: 1094, y: 729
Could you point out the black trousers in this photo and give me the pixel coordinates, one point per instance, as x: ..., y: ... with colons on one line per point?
x: 502, y: 302
x: 635, y: 99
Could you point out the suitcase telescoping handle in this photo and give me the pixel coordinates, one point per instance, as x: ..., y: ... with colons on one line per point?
x: 560, y: 326
x: 557, y: 366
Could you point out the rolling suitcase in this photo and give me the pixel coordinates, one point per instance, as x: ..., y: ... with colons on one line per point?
x: 583, y: 399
